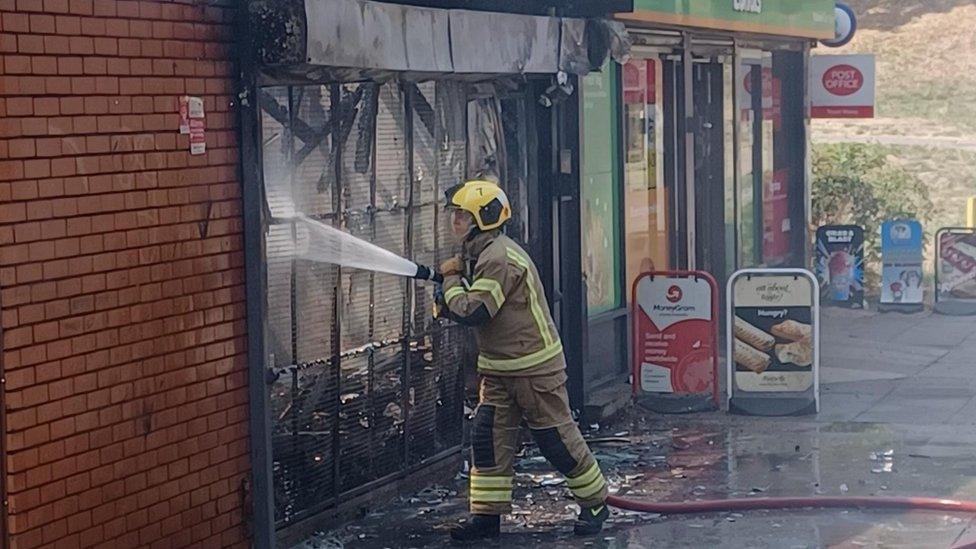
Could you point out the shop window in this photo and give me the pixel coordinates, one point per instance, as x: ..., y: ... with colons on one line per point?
x: 646, y: 243
x: 728, y: 126
x: 600, y: 194
x: 784, y: 199
x: 750, y: 119
x: 776, y: 223
x: 771, y: 158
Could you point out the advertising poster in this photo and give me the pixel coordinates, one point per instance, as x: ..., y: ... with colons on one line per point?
x: 190, y: 107
x: 772, y: 326
x: 184, y: 114
x: 901, y: 257
x: 956, y: 271
x: 198, y: 138
x: 771, y: 98
x: 675, y: 337
x: 599, y: 198
x: 197, y: 125
x: 776, y: 218
x: 840, y: 265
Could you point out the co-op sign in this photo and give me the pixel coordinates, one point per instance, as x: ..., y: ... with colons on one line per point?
x: 751, y: 6
x: 842, y: 86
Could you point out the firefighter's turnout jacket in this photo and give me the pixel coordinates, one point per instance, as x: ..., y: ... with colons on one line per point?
x: 523, y: 374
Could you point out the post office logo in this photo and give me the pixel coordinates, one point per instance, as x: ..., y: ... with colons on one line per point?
x: 843, y: 80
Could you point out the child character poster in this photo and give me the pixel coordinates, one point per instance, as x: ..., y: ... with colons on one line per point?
x: 901, y: 256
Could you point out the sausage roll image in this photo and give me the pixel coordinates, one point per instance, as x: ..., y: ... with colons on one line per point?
x: 792, y: 330
x: 748, y: 356
x: 752, y: 335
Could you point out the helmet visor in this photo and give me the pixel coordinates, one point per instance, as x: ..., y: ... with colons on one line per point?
x: 449, y: 196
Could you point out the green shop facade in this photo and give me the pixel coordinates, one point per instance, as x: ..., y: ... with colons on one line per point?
x: 693, y: 155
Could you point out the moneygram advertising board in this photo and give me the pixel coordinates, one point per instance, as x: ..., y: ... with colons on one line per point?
x: 773, y: 342
x: 675, y: 323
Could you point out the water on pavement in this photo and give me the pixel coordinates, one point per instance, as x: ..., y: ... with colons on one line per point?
x: 897, y: 418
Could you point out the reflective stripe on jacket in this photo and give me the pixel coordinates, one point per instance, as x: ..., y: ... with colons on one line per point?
x: 520, y: 338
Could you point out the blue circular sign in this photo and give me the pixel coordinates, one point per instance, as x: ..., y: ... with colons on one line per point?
x: 845, y: 25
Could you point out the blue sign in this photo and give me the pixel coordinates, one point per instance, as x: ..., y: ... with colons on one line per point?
x: 845, y: 25
x: 901, y: 257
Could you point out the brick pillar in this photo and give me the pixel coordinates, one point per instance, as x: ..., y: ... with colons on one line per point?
x: 121, y: 268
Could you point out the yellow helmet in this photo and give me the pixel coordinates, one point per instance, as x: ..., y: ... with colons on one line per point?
x: 485, y: 200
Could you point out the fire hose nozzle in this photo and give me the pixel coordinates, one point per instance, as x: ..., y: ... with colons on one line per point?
x: 428, y: 273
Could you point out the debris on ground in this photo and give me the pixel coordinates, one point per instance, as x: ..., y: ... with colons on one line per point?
x: 653, y: 458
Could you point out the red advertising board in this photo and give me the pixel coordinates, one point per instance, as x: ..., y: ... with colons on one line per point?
x: 955, y: 271
x: 772, y: 96
x: 675, y: 353
x: 639, y: 82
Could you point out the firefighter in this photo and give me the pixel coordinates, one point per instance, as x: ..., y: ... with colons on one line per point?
x: 494, y: 286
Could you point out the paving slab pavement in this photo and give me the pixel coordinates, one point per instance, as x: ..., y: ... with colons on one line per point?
x: 898, y: 417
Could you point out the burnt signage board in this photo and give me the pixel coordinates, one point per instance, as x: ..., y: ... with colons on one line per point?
x: 566, y: 8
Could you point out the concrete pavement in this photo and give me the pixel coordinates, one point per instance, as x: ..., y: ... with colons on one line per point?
x: 917, y: 369
x: 898, y: 417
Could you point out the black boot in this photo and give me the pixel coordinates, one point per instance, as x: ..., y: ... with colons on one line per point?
x: 590, y: 520
x: 478, y: 527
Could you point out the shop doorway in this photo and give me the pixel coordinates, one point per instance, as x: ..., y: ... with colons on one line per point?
x: 708, y: 128
x: 647, y: 188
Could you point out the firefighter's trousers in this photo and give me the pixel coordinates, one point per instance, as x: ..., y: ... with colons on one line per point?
x: 543, y: 403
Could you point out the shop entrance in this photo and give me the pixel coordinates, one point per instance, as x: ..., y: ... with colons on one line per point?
x: 712, y: 161
x: 708, y: 125
x: 677, y: 159
x: 697, y: 182
x: 678, y: 164
x: 649, y: 182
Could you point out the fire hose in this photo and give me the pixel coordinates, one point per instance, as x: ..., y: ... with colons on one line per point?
x: 775, y: 503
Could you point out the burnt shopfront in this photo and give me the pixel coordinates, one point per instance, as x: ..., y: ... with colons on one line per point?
x: 707, y: 165
x: 360, y: 114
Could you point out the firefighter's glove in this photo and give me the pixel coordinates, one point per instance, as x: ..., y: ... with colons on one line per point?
x: 453, y: 266
x: 439, y: 304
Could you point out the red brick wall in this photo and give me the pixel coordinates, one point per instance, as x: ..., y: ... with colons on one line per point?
x: 121, y: 267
